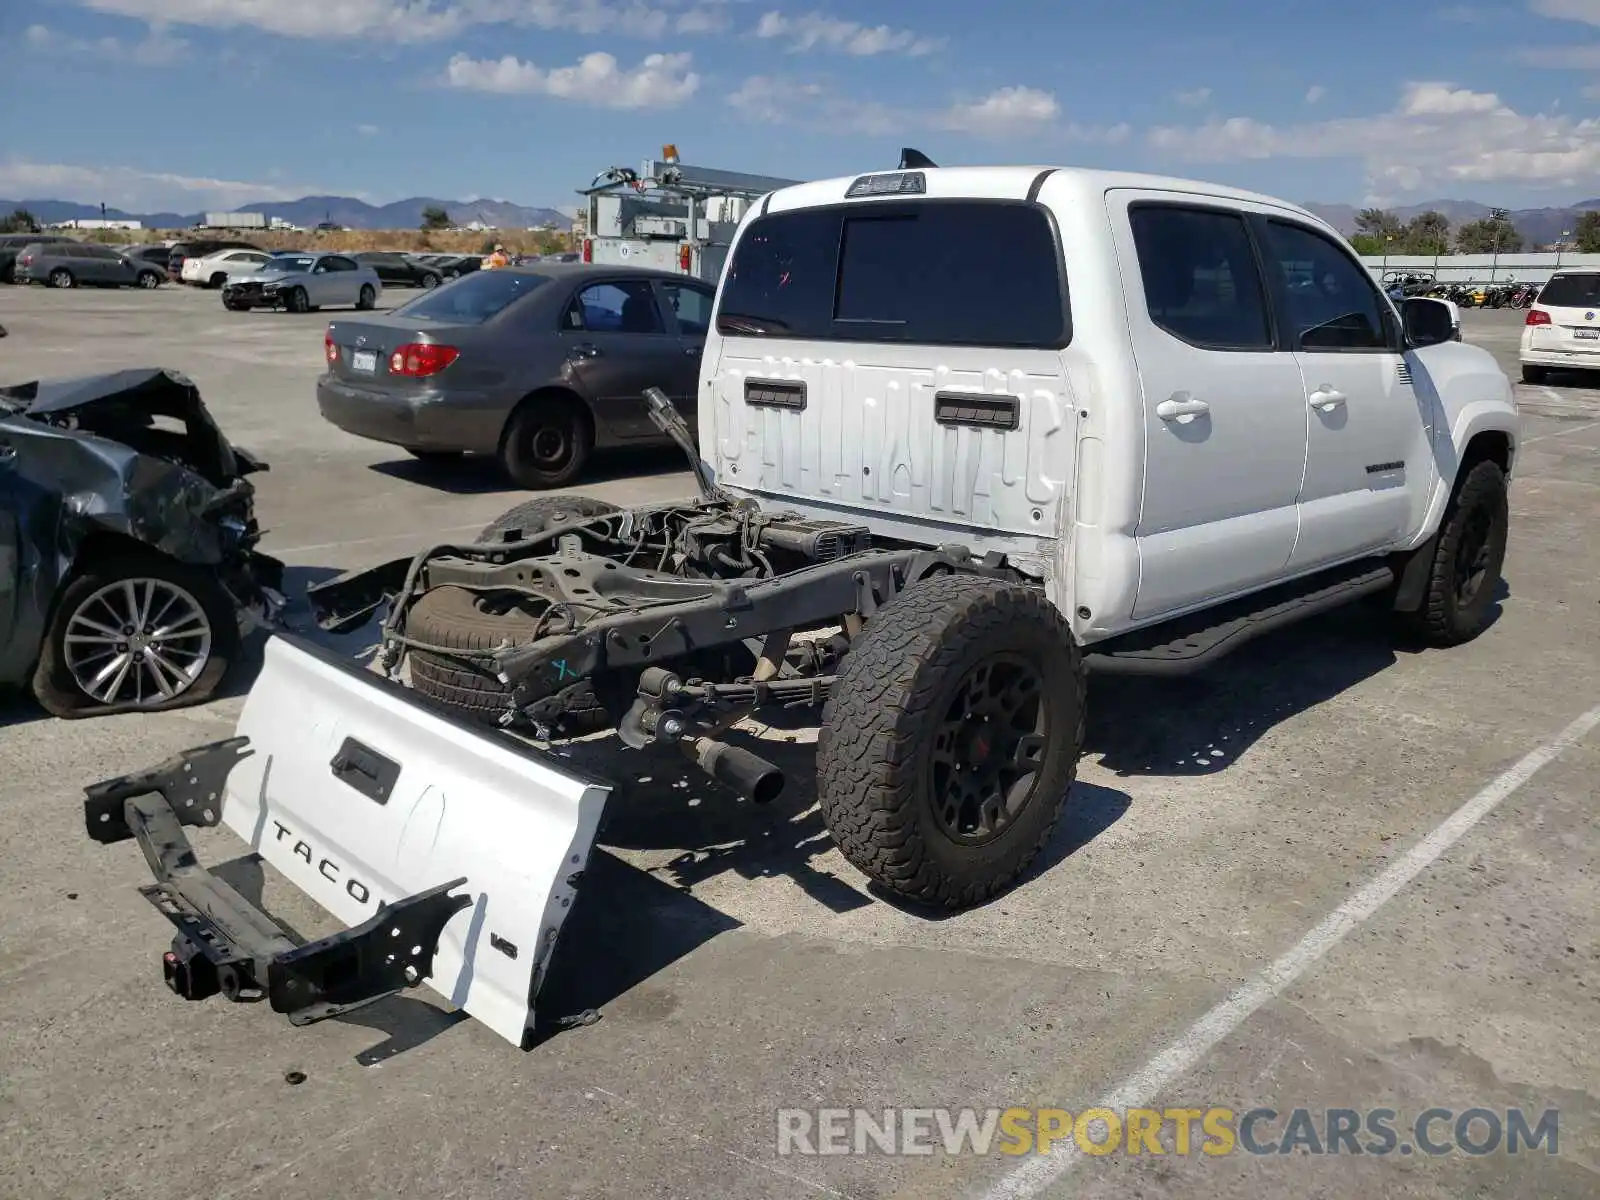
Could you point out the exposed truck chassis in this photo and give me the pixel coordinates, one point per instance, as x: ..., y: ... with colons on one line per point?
x: 775, y: 589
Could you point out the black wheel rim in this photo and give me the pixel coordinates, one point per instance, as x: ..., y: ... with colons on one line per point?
x: 1473, y: 552
x: 989, y: 750
x: 550, y: 447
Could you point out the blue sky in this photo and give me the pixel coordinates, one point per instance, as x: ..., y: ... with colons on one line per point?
x: 190, y: 104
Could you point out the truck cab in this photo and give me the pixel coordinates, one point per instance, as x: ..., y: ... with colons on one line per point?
x: 1153, y: 395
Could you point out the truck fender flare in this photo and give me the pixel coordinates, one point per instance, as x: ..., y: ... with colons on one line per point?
x: 1482, y: 429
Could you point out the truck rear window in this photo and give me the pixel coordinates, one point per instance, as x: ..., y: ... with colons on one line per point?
x: 953, y: 273
x: 1571, y: 291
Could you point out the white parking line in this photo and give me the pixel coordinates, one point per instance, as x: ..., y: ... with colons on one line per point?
x: 1181, y: 1056
x: 1545, y: 437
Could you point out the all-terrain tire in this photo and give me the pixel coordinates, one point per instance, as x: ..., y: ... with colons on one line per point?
x: 882, y: 723
x: 459, y: 619
x: 53, y: 684
x: 1446, y: 617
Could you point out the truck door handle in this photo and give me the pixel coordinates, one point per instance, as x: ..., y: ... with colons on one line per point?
x: 1325, y: 399
x: 1181, y: 404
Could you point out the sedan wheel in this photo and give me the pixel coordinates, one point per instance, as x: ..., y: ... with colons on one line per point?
x: 547, y: 443
x: 430, y: 281
x: 149, y: 279
x: 137, y: 641
x: 61, y: 278
x: 298, y: 302
x: 368, y: 298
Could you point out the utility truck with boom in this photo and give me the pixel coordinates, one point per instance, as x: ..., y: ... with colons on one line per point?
x: 966, y: 436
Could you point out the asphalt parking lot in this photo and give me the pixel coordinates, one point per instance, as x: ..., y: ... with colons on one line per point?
x: 743, y: 967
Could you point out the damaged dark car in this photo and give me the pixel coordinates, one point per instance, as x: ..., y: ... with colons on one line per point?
x: 128, y: 568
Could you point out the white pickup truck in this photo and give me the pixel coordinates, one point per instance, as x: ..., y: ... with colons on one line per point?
x: 968, y: 435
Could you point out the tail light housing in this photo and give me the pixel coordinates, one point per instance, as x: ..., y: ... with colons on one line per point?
x: 685, y: 258
x: 1537, y: 316
x: 26, y: 259
x: 329, y: 349
x: 418, y: 360
x: 588, y: 250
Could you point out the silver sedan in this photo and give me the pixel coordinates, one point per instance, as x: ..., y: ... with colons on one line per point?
x: 303, y: 283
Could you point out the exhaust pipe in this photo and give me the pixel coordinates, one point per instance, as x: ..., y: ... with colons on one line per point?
x: 752, y: 776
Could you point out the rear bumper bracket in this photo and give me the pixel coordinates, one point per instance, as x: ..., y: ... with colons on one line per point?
x: 224, y: 943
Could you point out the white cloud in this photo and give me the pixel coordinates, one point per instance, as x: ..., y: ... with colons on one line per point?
x: 1436, y: 134
x: 660, y: 80
x: 1586, y: 11
x: 401, y: 20
x: 156, y: 49
x: 368, y: 130
x: 1006, y: 112
x: 137, y: 191
x: 1193, y: 99
x: 811, y: 31
x: 1315, y: 93
x: 772, y: 100
x: 425, y: 20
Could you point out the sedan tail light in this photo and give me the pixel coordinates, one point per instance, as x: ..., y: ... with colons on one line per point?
x: 1537, y: 316
x: 329, y: 348
x: 418, y: 360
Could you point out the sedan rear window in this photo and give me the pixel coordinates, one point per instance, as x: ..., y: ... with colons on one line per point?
x: 475, y: 298
x: 955, y: 273
x: 1572, y: 291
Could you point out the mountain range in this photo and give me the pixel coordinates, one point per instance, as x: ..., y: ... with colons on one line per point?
x: 310, y: 210
x: 1538, y: 226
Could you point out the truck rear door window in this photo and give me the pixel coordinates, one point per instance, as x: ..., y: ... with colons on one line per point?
x: 953, y: 273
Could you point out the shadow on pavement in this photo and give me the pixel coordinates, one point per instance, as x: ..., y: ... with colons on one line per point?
x: 625, y: 927
x: 478, y: 475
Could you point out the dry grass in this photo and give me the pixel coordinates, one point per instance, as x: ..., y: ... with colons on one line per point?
x: 354, y: 239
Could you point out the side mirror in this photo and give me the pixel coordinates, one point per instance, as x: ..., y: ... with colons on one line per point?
x: 1427, y: 322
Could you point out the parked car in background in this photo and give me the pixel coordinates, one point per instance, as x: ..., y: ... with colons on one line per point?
x: 399, y: 270
x: 452, y: 266
x: 199, y: 248
x: 303, y: 283
x: 539, y: 367
x: 157, y: 255
x: 68, y: 264
x: 1562, y: 328
x: 12, y: 244
x: 214, y: 270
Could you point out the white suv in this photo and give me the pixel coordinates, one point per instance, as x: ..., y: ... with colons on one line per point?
x: 1562, y: 328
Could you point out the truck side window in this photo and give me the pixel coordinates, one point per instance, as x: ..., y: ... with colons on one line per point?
x: 1332, y: 302
x: 1201, y: 283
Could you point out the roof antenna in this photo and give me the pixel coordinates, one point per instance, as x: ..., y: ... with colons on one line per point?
x: 914, y: 160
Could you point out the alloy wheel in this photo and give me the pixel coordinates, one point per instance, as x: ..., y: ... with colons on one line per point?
x: 988, y: 750
x: 137, y: 641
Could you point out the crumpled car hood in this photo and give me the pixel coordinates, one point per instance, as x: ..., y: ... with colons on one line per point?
x: 133, y: 453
